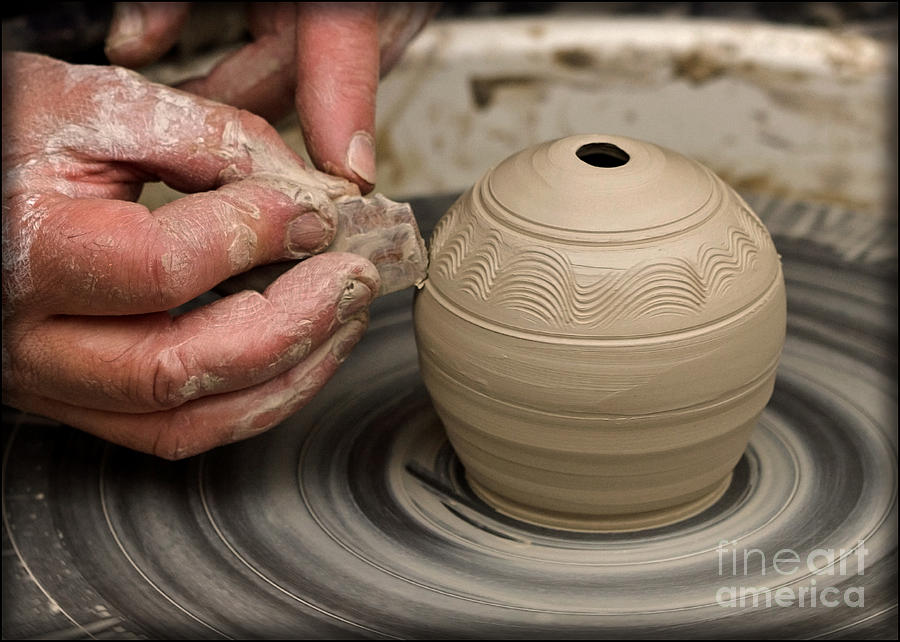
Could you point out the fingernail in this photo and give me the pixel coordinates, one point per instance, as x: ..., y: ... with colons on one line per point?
x: 346, y: 338
x: 307, y: 234
x: 355, y: 297
x: 361, y: 156
x: 128, y: 24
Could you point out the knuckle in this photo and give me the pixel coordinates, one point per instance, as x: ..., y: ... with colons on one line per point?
x: 173, y: 438
x: 167, y: 448
x: 170, y: 266
x: 165, y: 388
x: 254, y: 124
x: 248, y: 307
x: 184, y: 433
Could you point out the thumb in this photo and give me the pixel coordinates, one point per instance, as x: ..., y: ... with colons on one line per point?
x: 141, y: 32
x: 337, y: 77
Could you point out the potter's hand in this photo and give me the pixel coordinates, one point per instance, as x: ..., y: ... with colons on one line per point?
x: 88, y: 275
x: 324, y: 57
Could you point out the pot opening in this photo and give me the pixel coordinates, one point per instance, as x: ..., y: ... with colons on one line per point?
x: 602, y: 155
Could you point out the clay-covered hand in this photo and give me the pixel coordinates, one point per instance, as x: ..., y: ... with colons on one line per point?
x: 323, y: 57
x: 89, y: 275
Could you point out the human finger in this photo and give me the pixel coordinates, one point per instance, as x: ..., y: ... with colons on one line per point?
x: 120, y: 258
x: 149, y: 363
x: 141, y: 32
x: 140, y: 131
x: 260, y: 76
x: 337, y: 79
x: 219, y: 419
x: 398, y: 24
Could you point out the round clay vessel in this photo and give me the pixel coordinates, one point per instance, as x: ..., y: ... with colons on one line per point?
x: 599, y: 332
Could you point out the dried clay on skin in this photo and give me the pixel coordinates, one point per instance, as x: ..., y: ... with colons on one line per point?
x: 379, y: 229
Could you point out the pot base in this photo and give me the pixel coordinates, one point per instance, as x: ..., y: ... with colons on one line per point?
x: 600, y: 523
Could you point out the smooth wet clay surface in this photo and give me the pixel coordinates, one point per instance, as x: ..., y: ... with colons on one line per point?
x: 599, y: 332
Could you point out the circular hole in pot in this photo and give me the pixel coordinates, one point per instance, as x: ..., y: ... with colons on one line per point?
x: 602, y: 155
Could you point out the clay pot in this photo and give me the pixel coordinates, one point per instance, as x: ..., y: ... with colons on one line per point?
x: 599, y: 332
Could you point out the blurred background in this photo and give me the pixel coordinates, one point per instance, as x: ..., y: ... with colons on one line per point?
x: 790, y: 99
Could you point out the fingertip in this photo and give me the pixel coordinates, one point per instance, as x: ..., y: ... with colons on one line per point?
x: 308, y: 234
x: 348, y: 265
x: 355, y: 299
x: 347, y: 336
x: 140, y: 32
x: 361, y: 160
x: 341, y: 283
x: 358, y: 161
x: 126, y: 33
x: 358, y: 268
x: 337, y: 81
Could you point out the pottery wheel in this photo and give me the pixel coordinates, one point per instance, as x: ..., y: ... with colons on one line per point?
x: 353, y: 518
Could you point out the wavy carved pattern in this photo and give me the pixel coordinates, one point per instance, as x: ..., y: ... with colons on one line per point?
x: 481, y: 271
x: 453, y: 250
x: 755, y: 228
x: 443, y: 229
x: 718, y: 266
x: 541, y: 282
